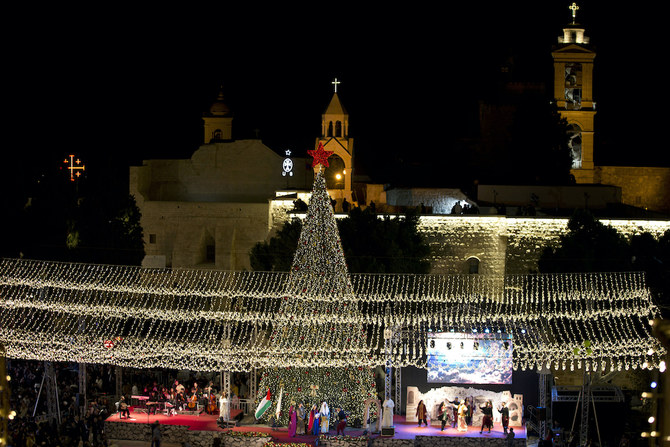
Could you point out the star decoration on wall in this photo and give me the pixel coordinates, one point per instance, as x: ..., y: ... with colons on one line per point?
x: 320, y: 155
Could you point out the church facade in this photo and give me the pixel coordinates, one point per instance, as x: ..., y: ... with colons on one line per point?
x: 209, y: 211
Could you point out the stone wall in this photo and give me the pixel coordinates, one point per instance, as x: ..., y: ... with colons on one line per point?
x: 643, y: 187
x: 182, y: 231
x: 455, y: 441
x: 177, y: 434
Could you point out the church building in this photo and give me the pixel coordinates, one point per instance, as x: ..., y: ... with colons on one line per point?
x: 208, y: 211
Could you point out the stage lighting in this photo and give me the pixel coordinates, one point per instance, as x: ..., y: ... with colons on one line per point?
x: 475, y: 345
x: 462, y: 345
x: 653, y: 384
x: 432, y: 344
x: 448, y: 345
x: 506, y: 344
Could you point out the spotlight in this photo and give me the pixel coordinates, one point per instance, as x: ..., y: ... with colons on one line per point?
x: 506, y: 344
x: 653, y: 384
x: 462, y: 346
x: 476, y: 345
x: 448, y: 345
x: 432, y: 343
x: 523, y: 331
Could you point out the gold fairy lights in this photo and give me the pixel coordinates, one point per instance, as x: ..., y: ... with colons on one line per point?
x: 207, y: 319
x: 316, y: 315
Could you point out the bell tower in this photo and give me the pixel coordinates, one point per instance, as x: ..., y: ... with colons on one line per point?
x: 335, y: 137
x: 218, y: 121
x: 573, y: 94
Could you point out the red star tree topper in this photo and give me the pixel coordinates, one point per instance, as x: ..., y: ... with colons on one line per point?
x: 320, y: 155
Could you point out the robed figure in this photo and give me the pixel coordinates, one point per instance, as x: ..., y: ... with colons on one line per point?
x: 224, y: 407
x: 387, y: 414
x: 292, y: 421
x: 504, y: 416
x: 487, y: 420
x: 301, y: 413
x: 421, y: 413
x: 313, y: 426
x: 324, y: 415
x: 462, y: 412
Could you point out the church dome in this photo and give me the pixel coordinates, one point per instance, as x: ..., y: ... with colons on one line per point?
x: 219, y: 107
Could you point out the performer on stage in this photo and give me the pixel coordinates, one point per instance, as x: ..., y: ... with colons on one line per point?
x: 152, y: 403
x: 462, y: 411
x: 195, y: 391
x: 487, y: 420
x: 123, y: 408
x: 342, y: 424
x: 300, y: 429
x: 324, y: 415
x: 454, y: 408
x: 224, y: 407
x: 293, y: 421
x: 421, y: 413
x: 387, y: 415
x: 504, y: 416
x: 468, y: 415
x: 314, y: 420
x: 443, y: 415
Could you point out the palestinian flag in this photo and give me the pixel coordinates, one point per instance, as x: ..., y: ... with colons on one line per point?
x: 263, y: 405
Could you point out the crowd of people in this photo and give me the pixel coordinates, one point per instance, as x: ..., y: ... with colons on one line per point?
x: 315, y: 421
x: 459, y: 414
x: 80, y: 419
x: 32, y: 425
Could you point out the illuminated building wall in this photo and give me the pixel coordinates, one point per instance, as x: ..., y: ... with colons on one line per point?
x: 504, y: 245
x: 642, y: 187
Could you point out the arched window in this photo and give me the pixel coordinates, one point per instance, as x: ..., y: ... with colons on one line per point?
x: 338, y: 129
x: 575, y: 143
x: 473, y: 266
x: 330, y: 129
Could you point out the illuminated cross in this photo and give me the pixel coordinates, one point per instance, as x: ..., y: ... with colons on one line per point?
x: 74, y: 168
x: 335, y: 83
x: 574, y: 9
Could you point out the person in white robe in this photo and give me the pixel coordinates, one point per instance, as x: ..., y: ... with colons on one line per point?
x: 324, y: 415
x: 387, y: 413
x: 224, y: 407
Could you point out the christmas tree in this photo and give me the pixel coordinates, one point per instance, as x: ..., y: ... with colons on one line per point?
x: 323, y: 325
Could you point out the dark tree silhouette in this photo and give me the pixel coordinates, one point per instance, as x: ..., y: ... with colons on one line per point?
x: 371, y: 245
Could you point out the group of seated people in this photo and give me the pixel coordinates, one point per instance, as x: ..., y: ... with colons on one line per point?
x: 175, y: 398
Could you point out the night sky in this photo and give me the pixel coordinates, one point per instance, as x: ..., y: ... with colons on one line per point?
x: 121, y: 85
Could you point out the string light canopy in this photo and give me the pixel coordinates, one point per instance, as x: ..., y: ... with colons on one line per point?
x: 316, y: 315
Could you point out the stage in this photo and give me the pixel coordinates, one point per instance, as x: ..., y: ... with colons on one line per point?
x: 403, y: 430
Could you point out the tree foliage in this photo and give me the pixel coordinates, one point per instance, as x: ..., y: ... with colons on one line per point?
x: 591, y: 246
x: 86, y: 221
x: 371, y: 244
x: 536, y: 150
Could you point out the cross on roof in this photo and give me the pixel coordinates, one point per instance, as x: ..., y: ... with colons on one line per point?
x: 335, y: 83
x: 574, y: 9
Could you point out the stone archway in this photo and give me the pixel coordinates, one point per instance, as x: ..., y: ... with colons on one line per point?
x: 377, y: 426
